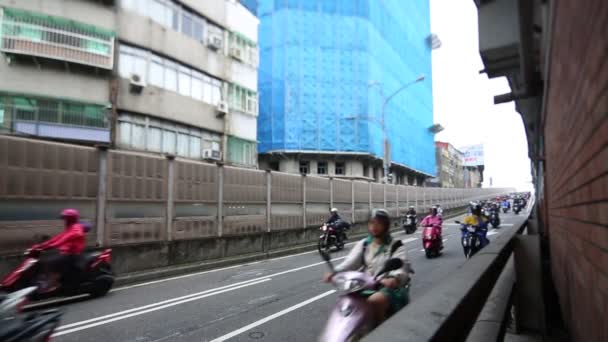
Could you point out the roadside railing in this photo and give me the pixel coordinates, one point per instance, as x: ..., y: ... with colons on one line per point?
x: 497, y: 288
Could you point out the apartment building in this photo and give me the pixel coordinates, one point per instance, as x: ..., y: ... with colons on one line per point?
x: 160, y: 76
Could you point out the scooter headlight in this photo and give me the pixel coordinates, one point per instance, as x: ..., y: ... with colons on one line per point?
x: 346, y: 286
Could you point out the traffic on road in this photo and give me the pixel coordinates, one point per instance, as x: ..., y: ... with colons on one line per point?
x: 277, y: 299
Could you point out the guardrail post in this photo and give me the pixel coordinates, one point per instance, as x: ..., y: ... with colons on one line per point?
x: 331, y: 192
x: 102, y: 153
x: 370, y: 195
x: 170, y: 195
x: 268, y: 200
x: 220, y: 200
x: 384, y: 196
x: 304, y: 220
x: 352, y: 198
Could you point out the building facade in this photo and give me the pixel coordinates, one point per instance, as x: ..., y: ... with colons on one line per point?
x: 162, y: 76
x: 326, y: 69
x: 450, y: 170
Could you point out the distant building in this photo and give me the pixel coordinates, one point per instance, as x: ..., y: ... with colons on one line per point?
x: 325, y: 68
x: 473, y: 176
x: 450, y: 172
x: 167, y: 77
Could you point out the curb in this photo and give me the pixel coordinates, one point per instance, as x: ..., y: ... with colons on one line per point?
x: 172, y: 271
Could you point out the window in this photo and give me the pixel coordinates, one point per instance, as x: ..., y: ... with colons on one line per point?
x: 248, y: 48
x: 340, y: 169
x: 164, y: 73
x: 157, y: 74
x: 197, y: 29
x: 148, y: 134
x: 242, y: 99
x: 322, y: 168
x: 186, y: 24
x: 169, y: 13
x: 185, y: 81
x: 304, y: 167
x: 170, y: 76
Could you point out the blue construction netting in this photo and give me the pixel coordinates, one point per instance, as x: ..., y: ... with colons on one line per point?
x: 251, y: 5
x: 317, y: 59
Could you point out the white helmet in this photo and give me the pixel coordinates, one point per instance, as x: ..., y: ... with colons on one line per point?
x: 333, y: 210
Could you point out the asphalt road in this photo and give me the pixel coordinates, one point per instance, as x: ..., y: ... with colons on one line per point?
x: 279, y: 299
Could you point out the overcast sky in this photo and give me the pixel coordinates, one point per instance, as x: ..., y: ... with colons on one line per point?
x: 463, y: 98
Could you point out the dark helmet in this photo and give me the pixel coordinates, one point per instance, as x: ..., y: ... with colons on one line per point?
x: 86, y: 226
x: 381, y: 215
x: 433, y: 210
x: 475, y: 208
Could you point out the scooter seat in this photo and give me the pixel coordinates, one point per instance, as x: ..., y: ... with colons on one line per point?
x: 87, y: 259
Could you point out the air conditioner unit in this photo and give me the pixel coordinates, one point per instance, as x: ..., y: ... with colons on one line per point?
x: 136, y: 83
x: 237, y: 53
x: 212, y: 154
x: 222, y: 109
x: 214, y: 42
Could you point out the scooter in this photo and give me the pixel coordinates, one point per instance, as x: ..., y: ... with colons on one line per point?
x: 431, y: 241
x: 92, y: 275
x: 516, y: 208
x: 472, y: 239
x: 494, y: 219
x: 329, y: 237
x: 352, y: 318
x: 409, y: 224
x: 15, y: 325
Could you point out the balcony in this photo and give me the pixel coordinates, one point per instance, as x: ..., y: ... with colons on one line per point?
x: 55, y: 119
x: 33, y: 34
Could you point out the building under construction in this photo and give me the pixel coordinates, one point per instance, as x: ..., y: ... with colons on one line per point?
x: 326, y: 69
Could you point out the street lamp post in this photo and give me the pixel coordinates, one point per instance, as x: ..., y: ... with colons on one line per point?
x: 386, y: 147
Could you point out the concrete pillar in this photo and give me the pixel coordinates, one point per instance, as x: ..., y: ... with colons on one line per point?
x: 220, y: 200
x: 100, y: 220
x: 304, y: 219
x: 170, y: 196
x: 268, y: 200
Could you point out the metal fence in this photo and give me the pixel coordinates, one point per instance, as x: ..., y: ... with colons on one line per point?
x: 30, y: 33
x: 136, y: 198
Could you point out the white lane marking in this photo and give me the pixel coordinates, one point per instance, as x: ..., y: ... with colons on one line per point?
x: 156, y: 308
x: 271, y: 317
x: 492, y: 233
x: 124, y: 312
x: 214, y: 290
x: 409, y: 240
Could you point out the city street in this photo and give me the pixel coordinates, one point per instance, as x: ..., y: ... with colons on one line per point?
x: 280, y: 299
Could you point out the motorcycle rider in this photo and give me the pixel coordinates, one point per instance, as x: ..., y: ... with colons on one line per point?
x: 477, y: 219
x: 433, y: 219
x: 370, y: 255
x: 68, y: 245
x: 336, y: 221
x: 411, y: 211
x: 439, y: 210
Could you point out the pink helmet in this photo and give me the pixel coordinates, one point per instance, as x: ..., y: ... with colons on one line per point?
x: 70, y: 215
